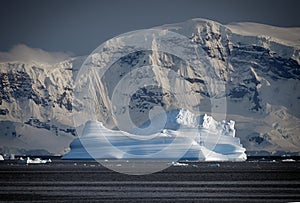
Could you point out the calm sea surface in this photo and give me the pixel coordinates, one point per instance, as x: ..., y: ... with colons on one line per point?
x: 85, y: 181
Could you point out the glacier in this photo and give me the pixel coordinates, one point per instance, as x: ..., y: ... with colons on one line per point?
x: 200, y: 139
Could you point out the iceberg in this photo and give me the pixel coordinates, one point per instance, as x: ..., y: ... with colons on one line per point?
x: 200, y: 139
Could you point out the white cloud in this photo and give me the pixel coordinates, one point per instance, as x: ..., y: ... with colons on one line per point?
x: 27, y: 54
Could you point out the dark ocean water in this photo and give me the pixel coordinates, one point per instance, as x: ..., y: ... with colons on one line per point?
x: 87, y: 181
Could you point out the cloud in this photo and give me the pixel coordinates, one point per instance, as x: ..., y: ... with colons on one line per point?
x: 23, y: 53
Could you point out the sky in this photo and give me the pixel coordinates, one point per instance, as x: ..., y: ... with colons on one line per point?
x: 80, y: 26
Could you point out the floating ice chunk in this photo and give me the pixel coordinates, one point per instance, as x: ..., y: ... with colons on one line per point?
x: 175, y: 163
x: 288, y: 160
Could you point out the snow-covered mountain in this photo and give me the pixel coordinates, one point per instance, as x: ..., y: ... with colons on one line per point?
x: 258, y: 63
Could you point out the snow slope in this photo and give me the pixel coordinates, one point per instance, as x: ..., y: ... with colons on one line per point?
x: 283, y: 35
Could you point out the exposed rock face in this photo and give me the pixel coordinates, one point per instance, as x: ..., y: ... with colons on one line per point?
x: 261, y: 73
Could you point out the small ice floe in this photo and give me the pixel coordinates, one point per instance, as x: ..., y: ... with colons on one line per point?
x: 288, y: 160
x: 33, y: 161
x: 175, y: 163
x: 217, y: 165
x: 12, y: 157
